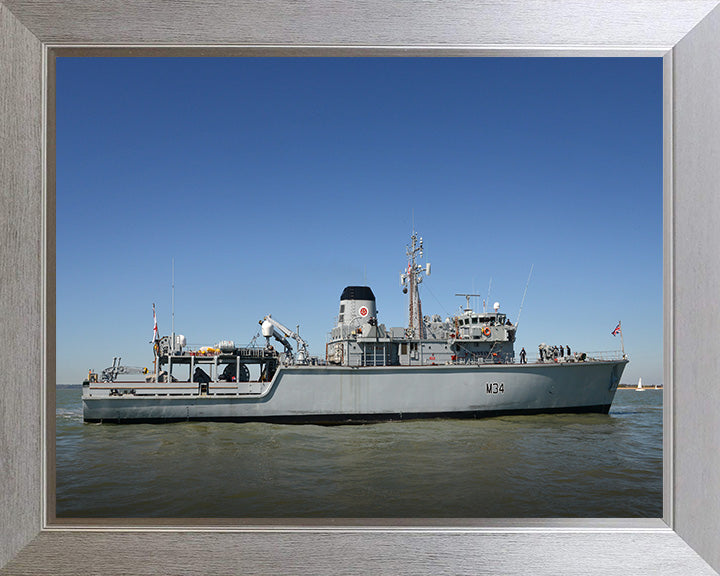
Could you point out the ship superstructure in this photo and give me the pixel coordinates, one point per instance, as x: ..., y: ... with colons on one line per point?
x: 469, y: 338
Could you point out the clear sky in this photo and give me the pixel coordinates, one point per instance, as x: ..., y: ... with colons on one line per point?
x: 275, y: 182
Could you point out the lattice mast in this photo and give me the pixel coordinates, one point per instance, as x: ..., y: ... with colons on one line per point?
x: 410, y: 280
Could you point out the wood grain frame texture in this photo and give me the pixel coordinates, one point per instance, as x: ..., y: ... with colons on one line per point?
x: 686, y: 33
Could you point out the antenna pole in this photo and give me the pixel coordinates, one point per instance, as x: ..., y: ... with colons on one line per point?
x: 517, y: 320
x: 172, y: 343
x: 410, y: 280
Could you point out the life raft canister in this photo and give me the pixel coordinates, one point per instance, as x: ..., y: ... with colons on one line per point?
x: 486, y: 331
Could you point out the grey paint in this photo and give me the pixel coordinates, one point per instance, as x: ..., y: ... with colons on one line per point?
x: 317, y: 391
x: 648, y: 27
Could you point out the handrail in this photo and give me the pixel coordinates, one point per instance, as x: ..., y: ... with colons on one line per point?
x: 604, y: 355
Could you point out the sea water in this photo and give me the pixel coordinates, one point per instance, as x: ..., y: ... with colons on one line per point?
x: 565, y: 465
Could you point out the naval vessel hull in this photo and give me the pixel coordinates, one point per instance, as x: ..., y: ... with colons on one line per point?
x: 337, y: 395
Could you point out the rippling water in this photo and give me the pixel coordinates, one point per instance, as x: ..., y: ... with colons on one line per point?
x: 586, y: 465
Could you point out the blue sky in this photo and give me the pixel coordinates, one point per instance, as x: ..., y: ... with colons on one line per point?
x: 275, y: 182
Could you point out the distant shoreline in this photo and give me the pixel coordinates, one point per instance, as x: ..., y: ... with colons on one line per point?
x: 634, y: 387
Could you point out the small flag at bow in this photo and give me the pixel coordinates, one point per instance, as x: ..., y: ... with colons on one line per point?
x: 617, y: 329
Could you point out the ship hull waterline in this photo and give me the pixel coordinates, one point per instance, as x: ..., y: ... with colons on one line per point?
x: 348, y: 395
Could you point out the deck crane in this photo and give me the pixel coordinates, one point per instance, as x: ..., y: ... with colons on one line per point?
x: 111, y: 373
x: 271, y: 327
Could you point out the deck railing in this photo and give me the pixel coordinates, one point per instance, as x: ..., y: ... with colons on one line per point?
x: 603, y: 355
x: 489, y: 358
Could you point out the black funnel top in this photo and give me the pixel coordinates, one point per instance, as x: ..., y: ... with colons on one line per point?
x: 357, y: 293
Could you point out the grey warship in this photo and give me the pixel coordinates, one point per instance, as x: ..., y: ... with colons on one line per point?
x: 458, y: 367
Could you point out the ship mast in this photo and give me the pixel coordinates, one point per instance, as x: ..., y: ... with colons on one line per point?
x: 409, y: 280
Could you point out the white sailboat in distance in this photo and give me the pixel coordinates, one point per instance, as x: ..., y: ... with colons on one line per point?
x: 639, y: 386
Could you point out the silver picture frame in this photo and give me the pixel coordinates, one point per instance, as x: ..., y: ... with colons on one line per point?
x: 685, y: 33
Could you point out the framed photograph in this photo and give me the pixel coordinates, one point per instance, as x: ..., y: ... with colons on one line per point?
x: 490, y: 168
x: 683, y: 34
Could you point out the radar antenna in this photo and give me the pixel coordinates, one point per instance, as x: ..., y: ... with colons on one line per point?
x: 467, y: 298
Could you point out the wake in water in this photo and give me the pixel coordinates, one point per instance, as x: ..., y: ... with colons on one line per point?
x: 69, y: 414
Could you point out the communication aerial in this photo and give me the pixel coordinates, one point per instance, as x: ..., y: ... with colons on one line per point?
x: 410, y: 280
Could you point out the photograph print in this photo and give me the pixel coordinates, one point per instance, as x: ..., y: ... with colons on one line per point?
x: 359, y: 287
